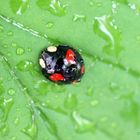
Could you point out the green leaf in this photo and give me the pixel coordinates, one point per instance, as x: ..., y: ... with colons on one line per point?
x: 105, y: 104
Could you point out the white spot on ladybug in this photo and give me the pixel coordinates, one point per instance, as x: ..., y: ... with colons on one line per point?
x: 52, y: 49
x: 42, y: 63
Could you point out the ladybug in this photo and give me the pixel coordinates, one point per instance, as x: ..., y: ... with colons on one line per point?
x: 62, y: 64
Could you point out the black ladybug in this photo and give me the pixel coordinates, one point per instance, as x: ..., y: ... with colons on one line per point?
x: 62, y: 64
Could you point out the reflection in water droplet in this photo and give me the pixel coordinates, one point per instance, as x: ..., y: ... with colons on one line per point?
x: 82, y: 124
x: 24, y: 65
x: 19, y: 6
x: 105, y: 28
x: 70, y: 101
x: 11, y: 91
x: 31, y: 130
x: 53, y: 6
x: 10, y: 33
x: 20, y: 51
x: 50, y: 25
x: 79, y: 18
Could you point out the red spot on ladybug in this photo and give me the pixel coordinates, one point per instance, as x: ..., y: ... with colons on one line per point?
x: 56, y: 77
x: 70, y: 56
x: 82, y: 69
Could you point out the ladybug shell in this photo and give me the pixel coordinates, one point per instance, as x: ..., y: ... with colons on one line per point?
x: 64, y: 65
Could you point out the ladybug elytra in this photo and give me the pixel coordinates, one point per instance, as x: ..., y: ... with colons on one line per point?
x: 62, y: 64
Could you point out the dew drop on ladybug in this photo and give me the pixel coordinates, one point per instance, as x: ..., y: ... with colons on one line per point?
x: 62, y: 64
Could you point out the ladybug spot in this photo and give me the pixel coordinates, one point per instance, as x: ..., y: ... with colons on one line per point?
x: 56, y: 77
x: 83, y: 69
x: 70, y: 56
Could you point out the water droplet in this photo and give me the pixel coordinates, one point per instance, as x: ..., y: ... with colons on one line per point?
x: 90, y: 91
x: 5, y: 46
x: 20, y: 51
x: 99, y: 4
x: 104, y: 119
x: 11, y: 91
x: 4, y: 129
x: 138, y: 38
x: 132, y: 6
x: 16, y: 121
x: 29, y: 49
x: 94, y: 102
x: 114, y: 125
x: 91, y: 3
x: 30, y: 130
x: 14, y: 45
x: 10, y: 33
x: 55, y: 7
x: 42, y: 87
x: 114, y: 6
x: 1, y: 87
x: 5, y: 105
x: 113, y: 86
x: 70, y: 101
x: 104, y: 26
x: 79, y: 18
x: 50, y: 25
x: 9, y: 54
x: 82, y: 124
x: 19, y: 6
x: 24, y: 65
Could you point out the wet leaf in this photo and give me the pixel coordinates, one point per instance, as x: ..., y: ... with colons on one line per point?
x: 105, y: 104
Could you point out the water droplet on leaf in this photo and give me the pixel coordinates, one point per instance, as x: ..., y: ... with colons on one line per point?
x: 10, y: 33
x: 50, y: 25
x: 70, y: 101
x: 94, y: 102
x: 31, y: 130
x: 55, y: 7
x: 19, y: 6
x: 82, y: 124
x: 20, y: 51
x: 79, y: 18
x: 106, y: 29
x: 11, y: 91
x: 24, y: 65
